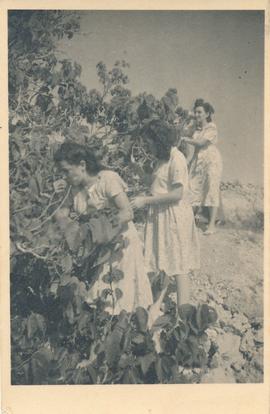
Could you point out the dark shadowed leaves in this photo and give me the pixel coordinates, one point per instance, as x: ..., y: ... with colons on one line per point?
x: 181, y: 331
x: 187, y: 312
x: 161, y: 322
x: 146, y: 361
x: 67, y: 263
x: 112, y: 348
x: 118, y: 293
x: 117, y: 275
x: 105, y: 293
x: 141, y: 319
x: 40, y: 365
x: 73, y: 236
x: 36, y: 325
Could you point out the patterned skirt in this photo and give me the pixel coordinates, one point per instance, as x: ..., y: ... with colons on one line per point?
x: 205, y: 176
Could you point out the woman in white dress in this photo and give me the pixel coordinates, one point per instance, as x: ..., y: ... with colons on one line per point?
x: 98, y: 189
x: 206, y: 164
x: 171, y: 238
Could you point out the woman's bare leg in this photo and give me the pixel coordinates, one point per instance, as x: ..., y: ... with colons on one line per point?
x: 213, y: 215
x: 195, y: 210
x: 182, y: 289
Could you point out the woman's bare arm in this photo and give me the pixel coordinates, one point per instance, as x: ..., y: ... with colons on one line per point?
x: 196, y: 142
x: 125, y: 213
x: 170, y: 197
x: 190, y: 153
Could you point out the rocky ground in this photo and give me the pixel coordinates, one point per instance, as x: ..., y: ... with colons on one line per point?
x: 231, y: 280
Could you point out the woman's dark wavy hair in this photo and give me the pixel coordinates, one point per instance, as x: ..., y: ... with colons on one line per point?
x: 163, y: 135
x: 74, y: 153
x: 208, y: 108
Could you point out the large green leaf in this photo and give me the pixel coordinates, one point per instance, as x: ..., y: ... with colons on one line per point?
x: 40, y: 365
x: 181, y: 331
x: 184, y: 354
x: 146, y: 361
x: 36, y: 325
x: 138, y: 339
x: 67, y: 361
x: 112, y: 348
x: 67, y: 263
x: 125, y: 361
x: 69, y: 313
x: 73, y: 236
x: 107, y: 278
x: 187, y: 312
x: 159, y: 370
x: 118, y: 293
x: 168, y: 363
x: 117, y: 275
x: 81, y: 376
x: 113, y: 341
x: 141, y: 319
x: 66, y: 293
x: 92, y: 373
x: 205, y: 316
x: 161, y: 322
x: 84, y: 322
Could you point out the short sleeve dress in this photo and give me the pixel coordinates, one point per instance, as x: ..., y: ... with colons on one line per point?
x: 206, y: 169
x: 171, y: 237
x: 135, y: 285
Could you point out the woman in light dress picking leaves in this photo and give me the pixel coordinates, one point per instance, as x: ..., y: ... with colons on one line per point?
x: 171, y: 238
x: 95, y: 188
x: 206, y: 164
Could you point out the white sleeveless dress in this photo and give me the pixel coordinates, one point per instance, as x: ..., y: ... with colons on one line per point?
x: 171, y: 238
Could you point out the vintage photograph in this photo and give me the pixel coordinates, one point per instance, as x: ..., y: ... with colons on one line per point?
x: 136, y: 148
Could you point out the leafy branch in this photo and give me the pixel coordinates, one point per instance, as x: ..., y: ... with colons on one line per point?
x: 54, y: 212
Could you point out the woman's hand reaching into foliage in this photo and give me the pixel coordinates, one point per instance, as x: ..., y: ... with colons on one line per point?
x: 186, y: 139
x: 138, y: 202
x: 59, y: 186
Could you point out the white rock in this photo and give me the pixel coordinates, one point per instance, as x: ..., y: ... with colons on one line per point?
x: 258, y: 337
x: 212, y: 334
x: 215, y: 361
x: 257, y: 360
x: 247, y: 343
x: 238, y: 365
x: 229, y: 345
x: 239, y: 323
x: 197, y: 371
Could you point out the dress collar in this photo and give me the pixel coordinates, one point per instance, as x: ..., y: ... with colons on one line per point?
x: 206, y: 126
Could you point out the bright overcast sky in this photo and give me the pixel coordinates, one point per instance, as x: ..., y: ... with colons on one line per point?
x: 214, y: 55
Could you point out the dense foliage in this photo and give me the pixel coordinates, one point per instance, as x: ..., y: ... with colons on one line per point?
x: 54, y: 328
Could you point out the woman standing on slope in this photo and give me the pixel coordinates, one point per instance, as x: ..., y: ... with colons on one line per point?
x: 206, y: 164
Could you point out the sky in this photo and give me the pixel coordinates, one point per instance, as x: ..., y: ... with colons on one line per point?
x: 215, y: 55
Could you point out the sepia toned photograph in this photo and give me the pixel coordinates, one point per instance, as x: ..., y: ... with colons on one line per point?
x: 136, y: 196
